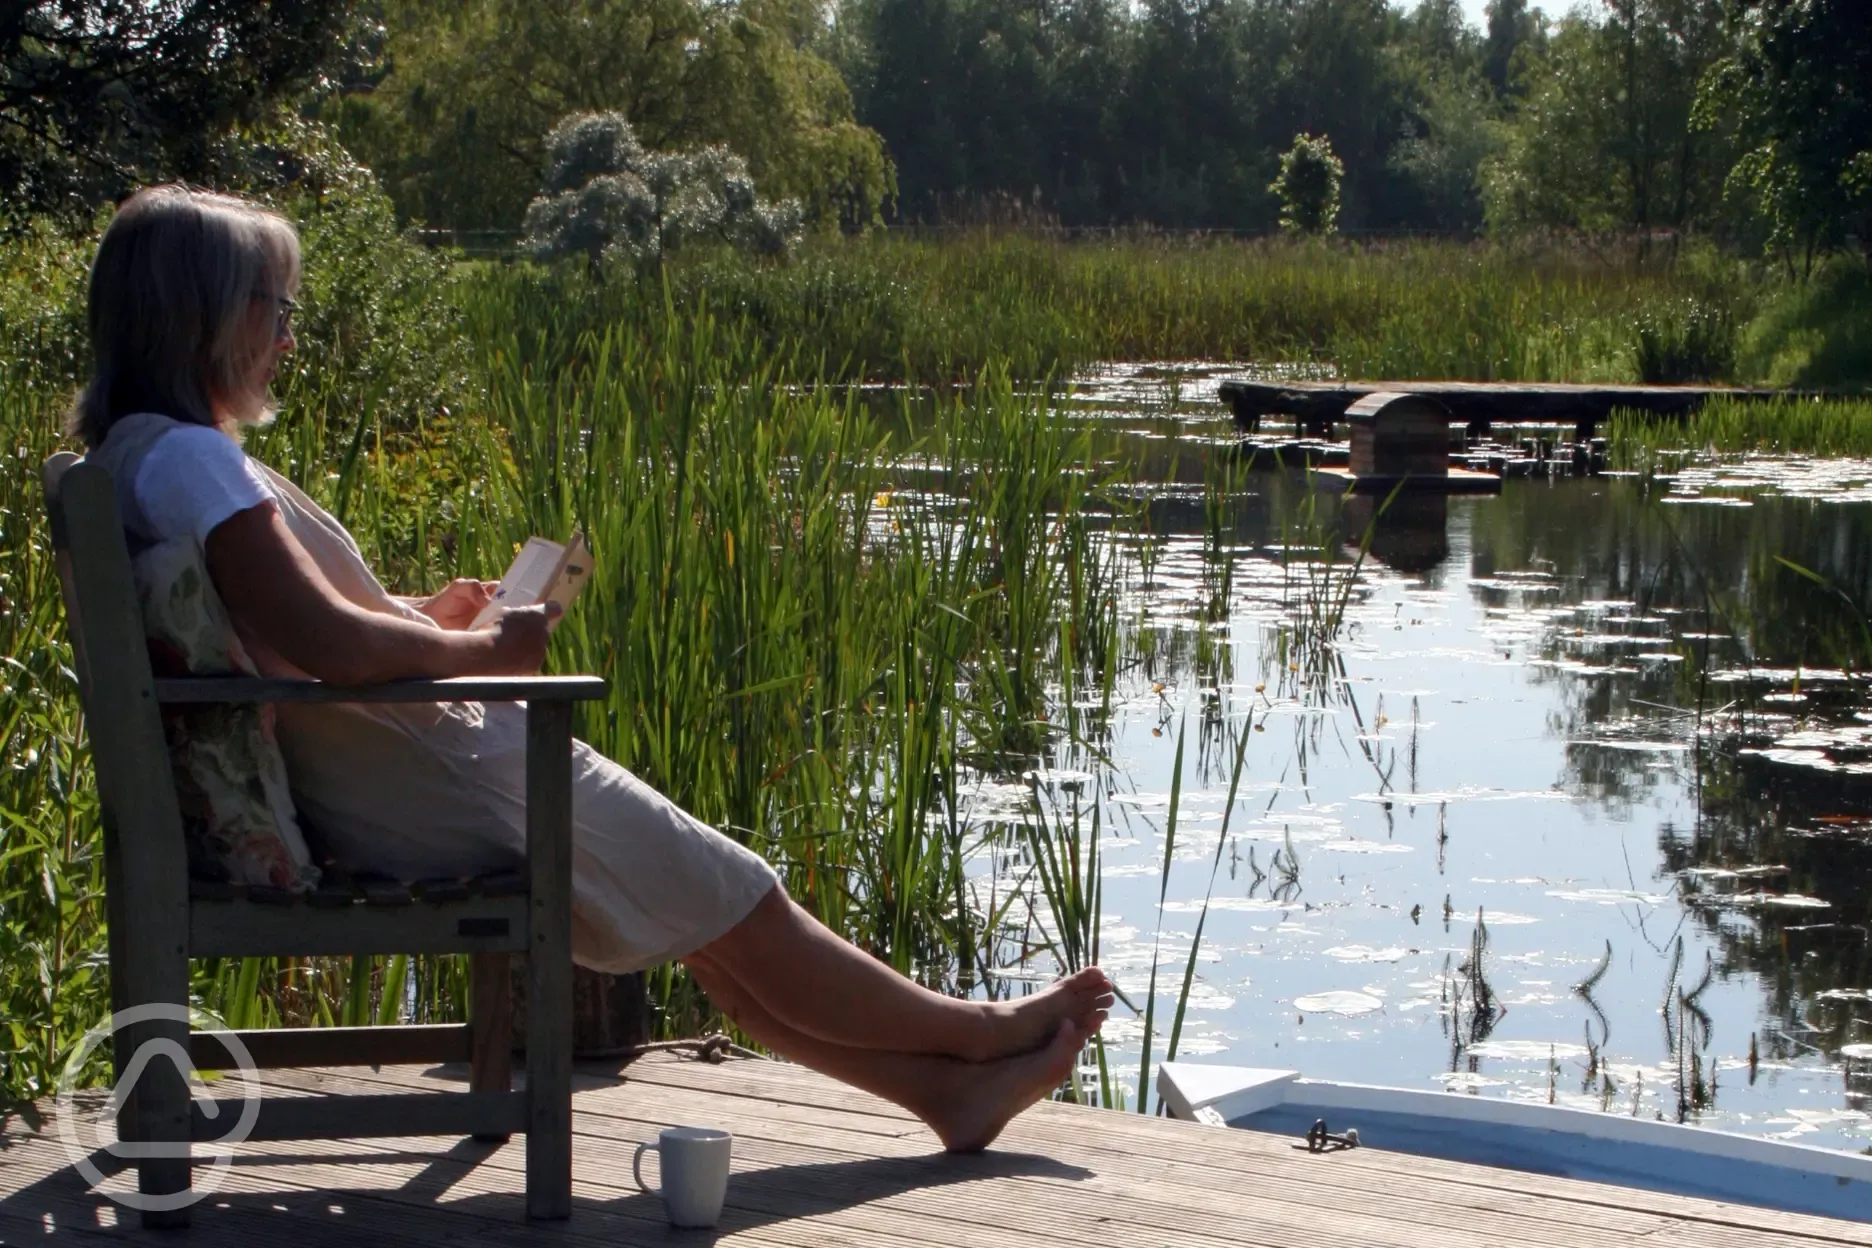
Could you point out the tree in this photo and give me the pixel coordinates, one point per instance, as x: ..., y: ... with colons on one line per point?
x: 1457, y: 119
x: 1510, y: 28
x: 608, y: 196
x: 98, y: 96
x: 988, y: 98
x: 456, y: 125
x: 1308, y: 186
x: 1798, y: 90
x: 1602, y: 137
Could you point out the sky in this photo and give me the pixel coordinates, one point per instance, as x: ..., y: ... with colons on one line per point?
x: 1473, y: 11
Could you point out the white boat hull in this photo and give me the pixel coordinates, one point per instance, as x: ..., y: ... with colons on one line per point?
x: 1542, y: 1139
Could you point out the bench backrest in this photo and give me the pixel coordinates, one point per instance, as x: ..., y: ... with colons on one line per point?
x: 143, y: 842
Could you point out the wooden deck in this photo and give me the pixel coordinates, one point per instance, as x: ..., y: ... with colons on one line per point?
x: 816, y: 1164
x: 1315, y: 406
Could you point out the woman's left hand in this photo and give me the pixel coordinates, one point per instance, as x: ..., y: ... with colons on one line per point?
x: 456, y: 604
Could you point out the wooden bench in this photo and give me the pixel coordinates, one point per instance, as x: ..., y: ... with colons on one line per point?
x: 158, y: 918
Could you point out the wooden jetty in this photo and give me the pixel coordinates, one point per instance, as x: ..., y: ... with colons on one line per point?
x: 818, y: 1165
x: 1315, y: 406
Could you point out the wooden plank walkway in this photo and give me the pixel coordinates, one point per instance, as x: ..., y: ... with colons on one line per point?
x: 817, y: 1164
x: 1316, y: 405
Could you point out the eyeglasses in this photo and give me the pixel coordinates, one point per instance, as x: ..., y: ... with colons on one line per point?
x: 287, y: 306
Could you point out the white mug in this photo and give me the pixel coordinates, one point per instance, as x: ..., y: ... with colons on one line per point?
x: 695, y: 1173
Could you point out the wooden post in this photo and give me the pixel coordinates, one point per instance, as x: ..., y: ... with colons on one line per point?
x: 610, y: 1013
x: 137, y: 792
x: 549, y: 960
x: 490, y: 1022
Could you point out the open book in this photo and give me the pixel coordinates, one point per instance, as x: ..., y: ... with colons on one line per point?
x: 543, y: 571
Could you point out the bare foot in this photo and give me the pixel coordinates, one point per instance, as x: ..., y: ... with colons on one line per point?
x: 1029, y: 1023
x: 985, y: 1096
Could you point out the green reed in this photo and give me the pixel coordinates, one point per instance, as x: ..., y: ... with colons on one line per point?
x: 1793, y: 426
x: 943, y: 308
x: 821, y: 618
x: 824, y: 614
x: 52, y: 963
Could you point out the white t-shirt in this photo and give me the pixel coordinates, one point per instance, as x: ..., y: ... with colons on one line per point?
x: 191, y: 480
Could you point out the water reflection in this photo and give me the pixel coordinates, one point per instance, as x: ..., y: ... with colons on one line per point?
x: 1563, y: 797
x: 1409, y: 533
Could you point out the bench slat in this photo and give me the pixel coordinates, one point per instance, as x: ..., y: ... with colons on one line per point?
x: 186, y: 690
x: 361, y: 1117
x: 272, y: 1048
x: 235, y: 929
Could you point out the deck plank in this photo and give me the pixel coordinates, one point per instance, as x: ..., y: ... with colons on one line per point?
x: 1365, y: 1168
x: 1200, y: 1209
x: 1140, y: 1146
x: 819, y: 1164
x: 1331, y: 1181
x: 1321, y: 404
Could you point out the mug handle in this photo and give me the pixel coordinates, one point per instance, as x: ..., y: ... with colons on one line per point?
x: 637, y: 1165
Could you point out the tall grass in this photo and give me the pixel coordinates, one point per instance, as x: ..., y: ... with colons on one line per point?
x: 1795, y: 426
x: 824, y: 613
x: 52, y: 966
x: 895, y: 308
x: 818, y: 629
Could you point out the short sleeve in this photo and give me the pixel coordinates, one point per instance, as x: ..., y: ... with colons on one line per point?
x: 192, y: 479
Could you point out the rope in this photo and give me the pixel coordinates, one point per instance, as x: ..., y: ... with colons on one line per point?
x: 1321, y: 1140
x: 714, y: 1049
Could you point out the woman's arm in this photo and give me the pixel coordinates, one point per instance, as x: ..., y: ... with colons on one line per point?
x: 275, y: 593
x: 456, y: 604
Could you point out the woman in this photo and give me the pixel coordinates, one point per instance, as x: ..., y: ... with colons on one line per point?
x: 191, y: 303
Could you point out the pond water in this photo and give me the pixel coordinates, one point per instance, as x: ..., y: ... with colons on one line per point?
x: 1577, y: 807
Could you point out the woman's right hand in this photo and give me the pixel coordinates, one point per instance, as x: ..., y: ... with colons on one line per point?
x: 519, y: 639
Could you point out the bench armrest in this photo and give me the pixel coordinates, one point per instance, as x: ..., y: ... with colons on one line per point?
x: 237, y: 689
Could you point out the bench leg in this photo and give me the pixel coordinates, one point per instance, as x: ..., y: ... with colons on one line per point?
x: 549, y: 961
x: 155, y: 1061
x: 490, y: 1023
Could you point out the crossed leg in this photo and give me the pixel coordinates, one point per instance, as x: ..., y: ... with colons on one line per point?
x: 965, y: 1103
x: 817, y: 986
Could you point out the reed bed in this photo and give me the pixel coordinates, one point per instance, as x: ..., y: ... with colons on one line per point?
x: 940, y: 309
x: 1795, y: 426
x: 825, y: 612
x: 819, y: 631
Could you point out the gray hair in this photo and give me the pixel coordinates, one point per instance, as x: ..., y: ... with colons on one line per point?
x: 171, y: 286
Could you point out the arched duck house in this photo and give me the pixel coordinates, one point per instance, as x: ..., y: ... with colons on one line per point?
x: 1401, y: 442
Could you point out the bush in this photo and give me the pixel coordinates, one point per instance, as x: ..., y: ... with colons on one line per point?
x: 1817, y: 333
x: 1308, y: 186
x: 43, y: 270
x: 379, y: 331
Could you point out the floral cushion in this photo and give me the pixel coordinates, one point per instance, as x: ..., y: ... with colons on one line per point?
x: 237, y: 810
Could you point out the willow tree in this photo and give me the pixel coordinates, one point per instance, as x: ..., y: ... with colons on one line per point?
x: 455, y: 126
x: 609, y: 197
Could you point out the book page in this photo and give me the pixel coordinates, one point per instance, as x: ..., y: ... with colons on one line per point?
x: 573, y: 571
x: 528, y: 579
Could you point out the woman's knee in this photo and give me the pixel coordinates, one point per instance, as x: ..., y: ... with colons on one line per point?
x: 760, y: 924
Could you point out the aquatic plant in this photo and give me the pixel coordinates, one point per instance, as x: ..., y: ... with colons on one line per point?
x: 1792, y: 426
x: 820, y: 620
x: 938, y: 308
x: 1686, y: 342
